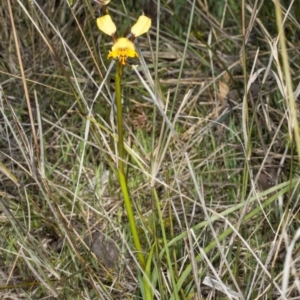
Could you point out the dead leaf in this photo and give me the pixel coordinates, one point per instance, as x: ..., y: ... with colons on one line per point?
x: 223, y: 92
x: 9, y: 174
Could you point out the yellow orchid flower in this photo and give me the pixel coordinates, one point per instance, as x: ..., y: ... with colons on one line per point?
x: 123, y: 47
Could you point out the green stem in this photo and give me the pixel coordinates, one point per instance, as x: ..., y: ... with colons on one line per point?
x: 123, y: 182
x: 131, y: 219
x: 121, y: 152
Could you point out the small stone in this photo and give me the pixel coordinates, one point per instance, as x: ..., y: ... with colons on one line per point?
x: 104, y: 248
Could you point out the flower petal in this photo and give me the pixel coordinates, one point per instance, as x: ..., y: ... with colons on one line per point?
x: 106, y: 25
x: 142, y: 26
x: 113, y: 54
x: 123, y: 43
x: 131, y: 53
x: 104, y: 2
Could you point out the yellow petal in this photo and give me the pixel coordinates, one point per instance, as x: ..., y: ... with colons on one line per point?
x: 142, y: 26
x: 104, y: 2
x: 106, y: 25
x: 123, y: 43
x: 131, y: 53
x: 113, y: 54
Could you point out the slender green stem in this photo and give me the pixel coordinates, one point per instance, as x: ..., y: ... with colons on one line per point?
x: 287, y: 77
x: 123, y: 182
x: 131, y: 220
x: 121, y: 152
